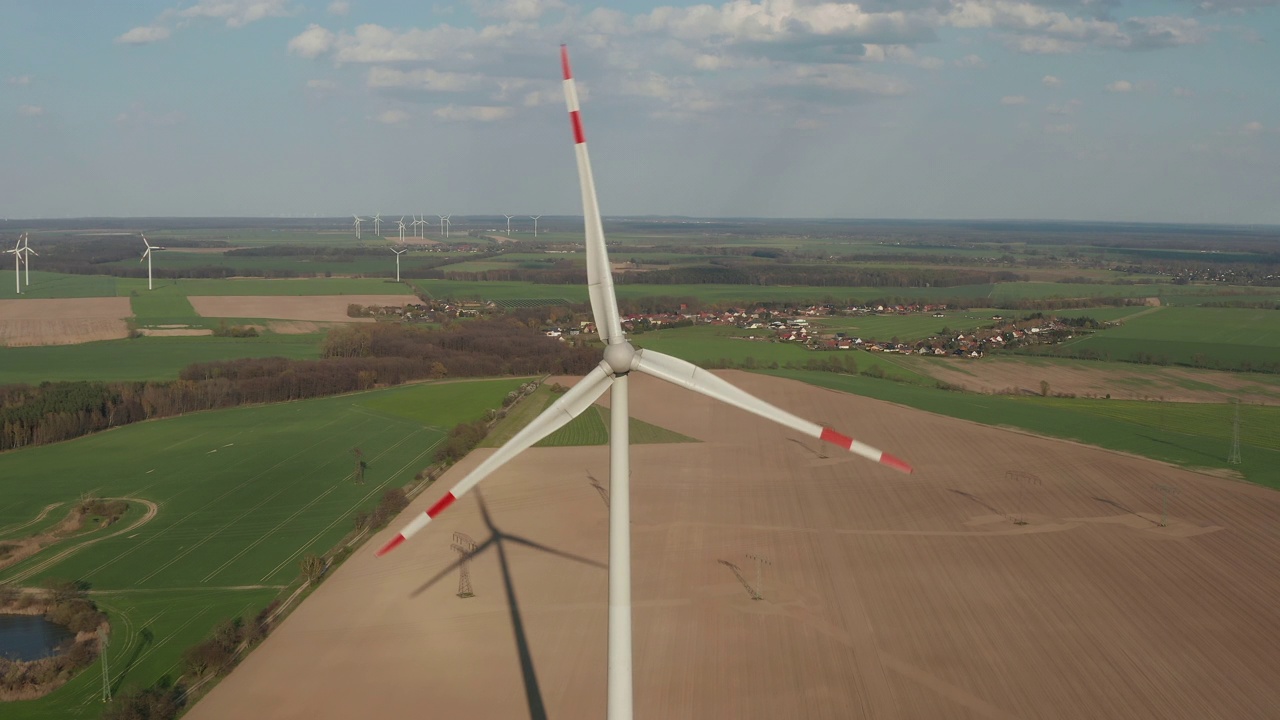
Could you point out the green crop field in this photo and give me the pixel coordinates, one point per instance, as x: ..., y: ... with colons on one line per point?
x: 58, y: 285
x: 152, y: 309
x: 1192, y: 335
x: 1187, y: 434
x: 242, y: 495
x: 259, y: 286
x: 144, y: 358
x: 711, y: 345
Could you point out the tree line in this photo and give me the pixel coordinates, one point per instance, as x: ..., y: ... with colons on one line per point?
x: 354, y: 358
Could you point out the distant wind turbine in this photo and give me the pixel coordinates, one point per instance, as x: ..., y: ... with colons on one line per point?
x: 535, y: 224
x: 444, y: 224
x: 27, y: 252
x: 508, y: 217
x: 400, y: 224
x: 416, y: 225
x: 146, y: 255
x: 398, y: 254
x: 377, y: 224
x: 356, y: 225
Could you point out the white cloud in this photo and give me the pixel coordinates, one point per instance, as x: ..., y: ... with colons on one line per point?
x: 144, y: 35
x: 1183, y: 92
x: 480, y: 113
x: 393, y: 117
x: 1252, y: 127
x: 339, y: 7
x: 1013, y: 100
x: 425, y: 79
x: 808, y: 124
x: 515, y: 9
x: 971, y: 61
x: 312, y: 42
x: 1063, y: 129
x: 1120, y: 86
x: 30, y: 110
x: 237, y: 13
x: 19, y: 80
x: 1040, y: 45
x: 1050, y: 81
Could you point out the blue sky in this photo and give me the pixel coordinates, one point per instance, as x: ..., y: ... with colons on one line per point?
x: 1061, y: 109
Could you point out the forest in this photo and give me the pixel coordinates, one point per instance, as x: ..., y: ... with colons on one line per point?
x: 354, y: 358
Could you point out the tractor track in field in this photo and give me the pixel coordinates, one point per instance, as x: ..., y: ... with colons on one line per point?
x: 46, y: 563
x: 22, y: 526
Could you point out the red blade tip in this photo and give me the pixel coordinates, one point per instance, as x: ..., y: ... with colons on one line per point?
x: 895, y: 463
x: 395, y: 542
x: 564, y: 62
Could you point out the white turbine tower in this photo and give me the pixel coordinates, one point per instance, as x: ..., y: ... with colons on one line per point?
x: 400, y: 224
x: 508, y: 217
x: 398, y: 254
x: 17, y: 265
x: 377, y: 224
x: 423, y: 223
x: 146, y: 255
x: 416, y: 225
x: 444, y: 224
x: 535, y: 224
x: 620, y: 359
x: 356, y: 225
x: 27, y: 252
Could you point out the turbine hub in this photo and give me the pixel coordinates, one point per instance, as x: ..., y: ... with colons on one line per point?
x: 619, y: 356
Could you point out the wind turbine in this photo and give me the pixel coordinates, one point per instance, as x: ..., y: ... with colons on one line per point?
x: 17, y: 265
x: 416, y: 224
x: 535, y: 223
x: 377, y: 224
x: 444, y: 224
x: 508, y: 217
x: 27, y: 252
x: 400, y: 224
x: 146, y: 255
x: 398, y: 254
x: 356, y: 225
x: 620, y: 359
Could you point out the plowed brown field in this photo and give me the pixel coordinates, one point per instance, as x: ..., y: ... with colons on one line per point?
x: 319, y: 308
x: 888, y: 596
x: 1139, y: 382
x: 63, y: 321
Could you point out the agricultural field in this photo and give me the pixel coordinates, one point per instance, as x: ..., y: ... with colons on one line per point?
x: 260, y: 286
x: 145, y: 358
x: 711, y: 345
x: 319, y: 308
x: 240, y: 496
x: 61, y: 321
x: 1193, y: 435
x: 1227, y: 337
x: 1018, y: 374
x: 885, y: 596
x: 59, y: 285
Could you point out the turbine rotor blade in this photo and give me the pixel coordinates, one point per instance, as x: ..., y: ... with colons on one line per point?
x: 570, y: 405
x: 604, y: 304
x: 686, y: 374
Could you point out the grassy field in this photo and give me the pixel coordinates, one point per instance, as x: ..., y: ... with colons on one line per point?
x: 58, y: 285
x: 153, y: 309
x: 144, y: 358
x: 1188, y: 434
x: 711, y: 345
x: 243, y: 494
x: 1181, y: 334
x: 259, y: 286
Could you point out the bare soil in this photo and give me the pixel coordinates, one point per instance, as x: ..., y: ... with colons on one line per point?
x: 887, y: 596
x: 63, y: 321
x: 1141, y: 382
x: 321, y: 308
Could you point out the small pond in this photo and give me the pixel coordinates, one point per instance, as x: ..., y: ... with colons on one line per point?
x: 30, y: 637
